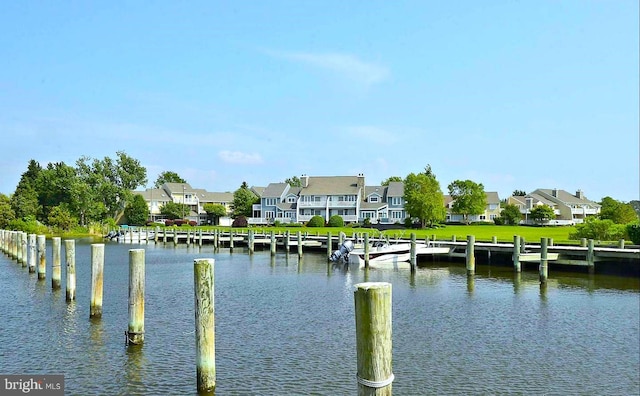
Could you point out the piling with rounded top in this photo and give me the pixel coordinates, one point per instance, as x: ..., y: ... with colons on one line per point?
x: 70, y: 256
x: 544, y: 271
x: 273, y: 246
x: 591, y: 262
x: 470, y: 256
x: 516, y: 253
x: 24, y: 249
x: 32, y: 253
x: 366, y: 250
x: 413, y: 256
x: 373, y: 338
x: 251, y: 241
x: 299, y: 238
x: 329, y: 247
x: 97, y: 272
x: 19, y: 247
x: 42, y: 257
x: 205, y: 323
x: 135, y: 331
x: 56, y: 271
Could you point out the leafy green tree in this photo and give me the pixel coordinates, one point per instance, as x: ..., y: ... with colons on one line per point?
x: 468, y: 198
x: 55, y: 188
x: 112, y: 181
x: 542, y: 214
x: 24, y: 200
x: 316, y: 221
x: 168, y: 177
x: 336, y: 221
x: 391, y: 179
x: 511, y: 214
x: 423, y: 198
x: 7, y: 215
x: 616, y: 211
x: 137, y: 211
x: 215, y: 211
x: 173, y: 210
x: 633, y: 232
x: 293, y: 181
x: 518, y: 193
x: 603, y: 230
x: 243, y: 201
x: 61, y: 218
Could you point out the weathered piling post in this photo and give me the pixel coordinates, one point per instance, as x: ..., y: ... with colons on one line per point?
x: 164, y: 235
x: 550, y: 241
x: 24, y: 249
x: 15, y: 245
x: 216, y: 239
x: 621, y: 244
x: 42, y: 257
x: 188, y: 237
x: 413, y: 256
x: 175, y: 236
x: 373, y: 338
x: 205, y: 324
x: 366, y: 250
x: 18, y: 247
x: 156, y: 234
x: 470, y: 256
x: 56, y: 270
x: 494, y: 239
x: 544, y: 271
x: 341, y: 237
x: 591, y: 264
x: 299, y: 237
x: 32, y: 253
x: 70, y: 256
x: 516, y: 253
x: 135, y: 330
x: 453, y: 238
x: 251, y: 241
x: 200, y: 237
x: 231, y: 241
x: 272, y: 245
x: 583, y: 242
x: 97, y: 272
x: 329, y: 247
x: 287, y: 241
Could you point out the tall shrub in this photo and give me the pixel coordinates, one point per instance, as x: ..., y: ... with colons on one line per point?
x: 316, y: 221
x: 633, y: 232
x: 336, y: 221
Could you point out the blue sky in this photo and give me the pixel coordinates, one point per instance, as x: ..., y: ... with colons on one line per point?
x: 510, y: 94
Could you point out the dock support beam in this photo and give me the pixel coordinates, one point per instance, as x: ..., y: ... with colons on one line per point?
x: 70, y: 259
x: 97, y: 273
x: 135, y: 330
x: 366, y: 250
x: 516, y: 253
x: 544, y: 269
x: 373, y: 338
x: 413, y: 257
x: 470, y: 256
x: 205, y: 324
x: 56, y: 270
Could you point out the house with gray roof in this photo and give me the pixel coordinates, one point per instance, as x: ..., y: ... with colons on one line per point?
x: 491, y: 210
x: 569, y: 208
x: 326, y: 196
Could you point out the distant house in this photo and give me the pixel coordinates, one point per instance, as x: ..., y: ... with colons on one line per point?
x: 491, y: 210
x: 326, y: 196
x: 569, y: 208
x: 183, y: 193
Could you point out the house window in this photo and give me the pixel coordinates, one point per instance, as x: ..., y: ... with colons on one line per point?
x: 483, y: 217
x: 397, y: 214
x: 270, y: 201
x: 396, y: 201
x: 374, y: 199
x: 269, y: 214
x: 291, y: 199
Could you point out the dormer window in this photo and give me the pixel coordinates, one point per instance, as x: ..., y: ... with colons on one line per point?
x: 374, y: 199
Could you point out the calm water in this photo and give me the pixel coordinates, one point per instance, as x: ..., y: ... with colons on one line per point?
x: 286, y: 327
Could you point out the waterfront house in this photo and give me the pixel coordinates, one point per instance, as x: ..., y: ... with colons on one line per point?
x: 491, y: 210
x: 569, y: 208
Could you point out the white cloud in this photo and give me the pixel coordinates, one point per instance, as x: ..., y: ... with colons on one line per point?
x: 346, y: 65
x: 237, y: 157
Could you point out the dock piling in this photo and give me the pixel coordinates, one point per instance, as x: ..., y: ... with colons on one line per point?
x: 135, y: 330
x: 56, y: 270
x: 373, y: 338
x: 97, y: 273
x: 470, y: 255
x: 205, y: 324
x: 42, y: 257
x: 544, y: 269
x: 70, y: 256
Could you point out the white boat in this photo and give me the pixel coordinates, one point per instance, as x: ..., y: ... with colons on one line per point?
x: 131, y: 236
x: 398, y: 255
